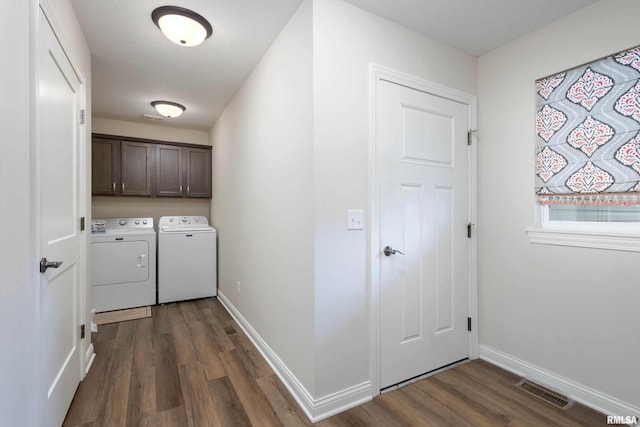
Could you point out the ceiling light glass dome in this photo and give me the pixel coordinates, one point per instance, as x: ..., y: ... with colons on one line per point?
x: 168, y: 109
x: 182, y: 26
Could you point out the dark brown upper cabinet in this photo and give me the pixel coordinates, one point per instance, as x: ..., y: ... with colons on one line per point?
x: 169, y: 171
x: 137, y: 167
x: 183, y: 171
x: 105, y: 167
x: 125, y: 166
x: 198, y: 172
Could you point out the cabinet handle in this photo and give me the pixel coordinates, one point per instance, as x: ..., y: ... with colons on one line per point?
x: 114, y: 186
x: 188, y: 191
x: 123, y: 187
x: 181, y: 189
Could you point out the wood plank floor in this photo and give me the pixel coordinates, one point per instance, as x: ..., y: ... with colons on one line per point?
x: 191, y: 365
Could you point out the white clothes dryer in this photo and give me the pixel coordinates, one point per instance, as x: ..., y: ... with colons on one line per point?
x: 187, y: 263
x: 123, y: 263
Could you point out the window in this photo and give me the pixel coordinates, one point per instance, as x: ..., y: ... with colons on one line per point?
x: 588, y: 146
x: 594, y: 213
x: 588, y: 139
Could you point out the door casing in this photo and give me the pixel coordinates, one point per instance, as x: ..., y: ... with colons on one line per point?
x: 377, y: 74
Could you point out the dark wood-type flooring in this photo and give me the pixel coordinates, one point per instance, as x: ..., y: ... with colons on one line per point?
x: 191, y: 365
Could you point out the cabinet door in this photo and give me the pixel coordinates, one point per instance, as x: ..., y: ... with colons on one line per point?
x: 169, y: 171
x: 198, y: 172
x: 137, y: 164
x: 105, y: 162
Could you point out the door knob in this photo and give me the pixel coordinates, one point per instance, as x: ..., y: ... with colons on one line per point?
x: 44, y: 264
x: 388, y: 251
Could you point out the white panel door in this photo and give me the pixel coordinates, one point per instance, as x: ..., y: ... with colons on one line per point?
x: 424, y: 197
x: 59, y: 101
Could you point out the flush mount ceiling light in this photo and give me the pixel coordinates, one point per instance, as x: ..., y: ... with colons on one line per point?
x: 182, y: 26
x: 168, y: 109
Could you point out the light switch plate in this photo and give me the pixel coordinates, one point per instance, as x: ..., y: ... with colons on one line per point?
x: 355, y: 219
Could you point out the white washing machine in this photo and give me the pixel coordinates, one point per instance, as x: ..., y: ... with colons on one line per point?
x: 123, y: 263
x: 187, y: 264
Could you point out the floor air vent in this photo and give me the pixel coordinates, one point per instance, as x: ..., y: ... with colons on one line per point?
x: 545, y: 394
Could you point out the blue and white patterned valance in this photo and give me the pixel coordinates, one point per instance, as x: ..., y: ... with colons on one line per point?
x: 588, y: 133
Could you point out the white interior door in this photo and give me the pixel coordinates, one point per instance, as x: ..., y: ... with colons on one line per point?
x: 59, y: 103
x: 424, y: 211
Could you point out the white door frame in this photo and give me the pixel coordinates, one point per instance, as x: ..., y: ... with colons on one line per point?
x: 378, y: 74
x: 84, y: 210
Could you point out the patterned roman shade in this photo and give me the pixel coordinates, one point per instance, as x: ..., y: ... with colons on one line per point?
x: 588, y: 133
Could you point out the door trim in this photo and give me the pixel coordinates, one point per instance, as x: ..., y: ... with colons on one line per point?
x: 377, y: 75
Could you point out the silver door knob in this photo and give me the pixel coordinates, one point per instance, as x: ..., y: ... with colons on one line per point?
x: 388, y: 251
x: 44, y: 264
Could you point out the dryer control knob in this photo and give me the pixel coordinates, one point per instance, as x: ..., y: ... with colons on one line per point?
x: 122, y: 222
x: 184, y: 219
x: 137, y: 221
x: 144, y: 221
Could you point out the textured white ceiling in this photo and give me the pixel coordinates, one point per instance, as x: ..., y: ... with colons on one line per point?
x: 474, y: 26
x: 134, y: 64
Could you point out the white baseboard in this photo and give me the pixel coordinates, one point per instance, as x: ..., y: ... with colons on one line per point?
x: 314, y: 409
x: 587, y: 396
x: 335, y: 403
x: 89, y: 357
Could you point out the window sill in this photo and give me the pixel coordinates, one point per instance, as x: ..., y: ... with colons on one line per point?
x: 595, y: 239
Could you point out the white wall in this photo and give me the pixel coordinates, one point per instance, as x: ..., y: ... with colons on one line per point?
x: 346, y: 41
x: 290, y: 157
x: 263, y: 199
x: 149, y: 130
x: 131, y: 207
x: 108, y: 206
x: 19, y: 279
x: 17, y: 288
x: 570, y: 311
